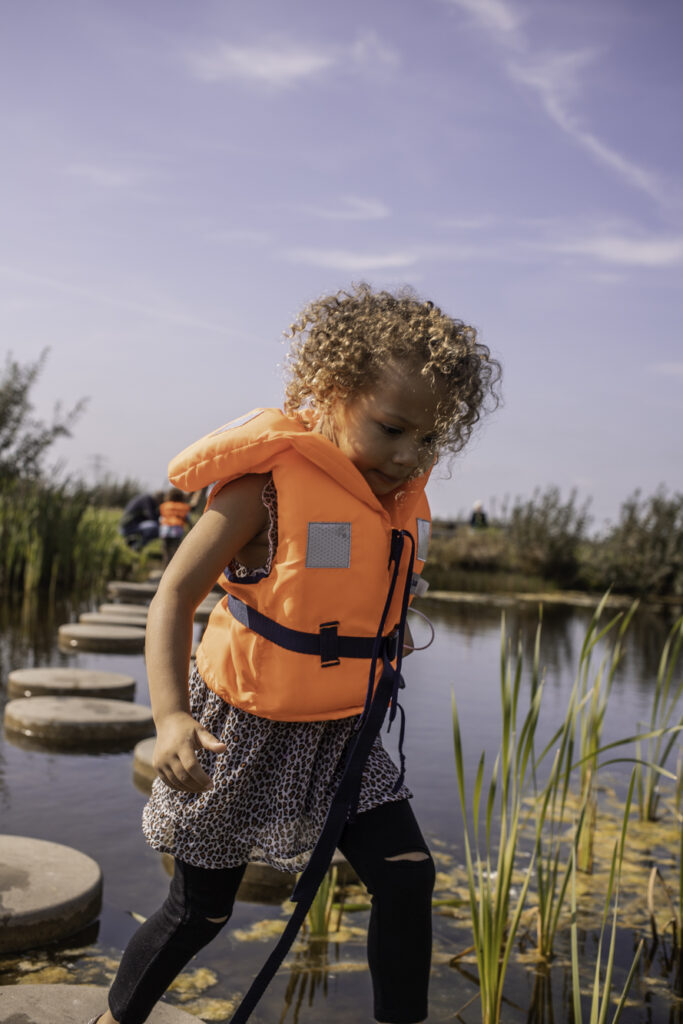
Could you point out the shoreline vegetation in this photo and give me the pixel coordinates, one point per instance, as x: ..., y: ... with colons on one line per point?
x: 60, y: 535
x: 541, y: 548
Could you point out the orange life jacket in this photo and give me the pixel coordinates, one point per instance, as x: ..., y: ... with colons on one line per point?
x: 328, y: 580
x: 173, y: 513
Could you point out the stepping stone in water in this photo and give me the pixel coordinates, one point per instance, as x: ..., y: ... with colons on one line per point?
x: 47, y: 891
x: 261, y: 882
x: 264, y: 884
x: 109, y: 639
x: 124, y: 590
x: 143, y: 769
x: 76, y: 722
x: 114, y: 608
x: 203, y: 610
x: 103, y: 619
x: 70, y: 1004
x: 69, y: 682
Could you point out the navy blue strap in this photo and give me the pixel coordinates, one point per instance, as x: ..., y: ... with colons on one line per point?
x: 327, y: 644
x: 345, y: 798
x: 310, y: 879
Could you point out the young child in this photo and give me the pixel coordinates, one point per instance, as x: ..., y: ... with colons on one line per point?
x: 317, y: 526
x: 174, y: 514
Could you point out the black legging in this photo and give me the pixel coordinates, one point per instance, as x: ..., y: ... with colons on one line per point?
x: 399, y: 934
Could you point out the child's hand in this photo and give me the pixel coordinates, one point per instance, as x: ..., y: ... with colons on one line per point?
x: 175, y: 759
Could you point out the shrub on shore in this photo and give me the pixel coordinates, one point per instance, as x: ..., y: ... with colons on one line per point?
x: 543, y: 543
x: 53, y: 538
x: 55, y: 534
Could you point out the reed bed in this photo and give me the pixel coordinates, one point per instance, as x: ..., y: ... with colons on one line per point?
x: 601, y: 995
x: 53, y: 539
x: 665, y: 704
x: 542, y: 808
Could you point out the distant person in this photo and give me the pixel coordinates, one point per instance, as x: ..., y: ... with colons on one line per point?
x: 174, y: 513
x: 478, y: 519
x: 318, y: 528
x: 139, y: 523
x: 198, y: 501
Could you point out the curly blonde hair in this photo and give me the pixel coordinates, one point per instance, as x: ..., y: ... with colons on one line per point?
x: 342, y: 343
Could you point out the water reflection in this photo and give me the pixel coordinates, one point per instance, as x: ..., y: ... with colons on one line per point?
x: 91, y: 802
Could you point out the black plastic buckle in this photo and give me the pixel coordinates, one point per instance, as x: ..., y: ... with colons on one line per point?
x: 329, y: 644
x: 391, y: 644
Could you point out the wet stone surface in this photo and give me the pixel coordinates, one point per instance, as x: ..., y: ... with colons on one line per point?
x: 68, y: 1004
x: 65, y: 682
x: 47, y: 891
x: 77, y: 721
x: 111, y: 639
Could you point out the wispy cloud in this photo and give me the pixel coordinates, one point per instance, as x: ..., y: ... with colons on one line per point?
x: 674, y: 369
x: 620, y: 249
x: 371, y: 51
x: 495, y: 16
x: 351, y: 208
x: 104, y: 176
x: 469, y: 223
x: 269, y: 65
x: 281, y: 63
x: 166, y: 313
x: 247, y: 236
x: 558, y: 79
x: 394, y: 258
x: 353, y: 262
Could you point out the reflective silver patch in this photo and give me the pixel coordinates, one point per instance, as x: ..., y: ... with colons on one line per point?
x: 239, y: 422
x: 328, y: 546
x: 423, y: 532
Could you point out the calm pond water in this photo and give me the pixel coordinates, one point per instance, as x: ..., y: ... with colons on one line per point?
x: 89, y: 801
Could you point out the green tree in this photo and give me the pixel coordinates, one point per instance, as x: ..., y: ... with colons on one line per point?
x: 643, y: 552
x: 547, y: 533
x: 25, y: 440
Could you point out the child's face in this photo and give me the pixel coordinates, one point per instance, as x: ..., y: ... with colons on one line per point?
x: 388, y: 431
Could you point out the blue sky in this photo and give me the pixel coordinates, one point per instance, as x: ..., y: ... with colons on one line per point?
x: 179, y: 178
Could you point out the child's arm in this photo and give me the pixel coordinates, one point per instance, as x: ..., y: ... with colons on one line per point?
x: 236, y: 516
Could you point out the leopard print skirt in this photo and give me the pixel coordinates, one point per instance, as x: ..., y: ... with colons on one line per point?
x: 272, y: 789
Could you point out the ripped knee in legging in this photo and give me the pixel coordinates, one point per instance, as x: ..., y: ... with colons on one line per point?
x: 414, y: 855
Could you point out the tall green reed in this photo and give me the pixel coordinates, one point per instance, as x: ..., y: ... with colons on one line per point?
x: 320, y: 914
x: 601, y: 990
x: 51, y: 538
x: 559, y: 819
x: 590, y: 715
x: 678, y: 916
x: 494, y: 919
x: 665, y: 703
x: 558, y: 815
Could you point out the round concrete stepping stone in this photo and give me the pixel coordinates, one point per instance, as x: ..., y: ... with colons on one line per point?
x: 263, y: 884
x: 47, y: 891
x: 119, y: 608
x: 203, y: 610
x: 69, y: 682
x: 124, y: 590
x: 143, y: 768
x: 102, y: 619
x: 77, y: 722
x: 69, y: 1004
x: 107, y: 639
